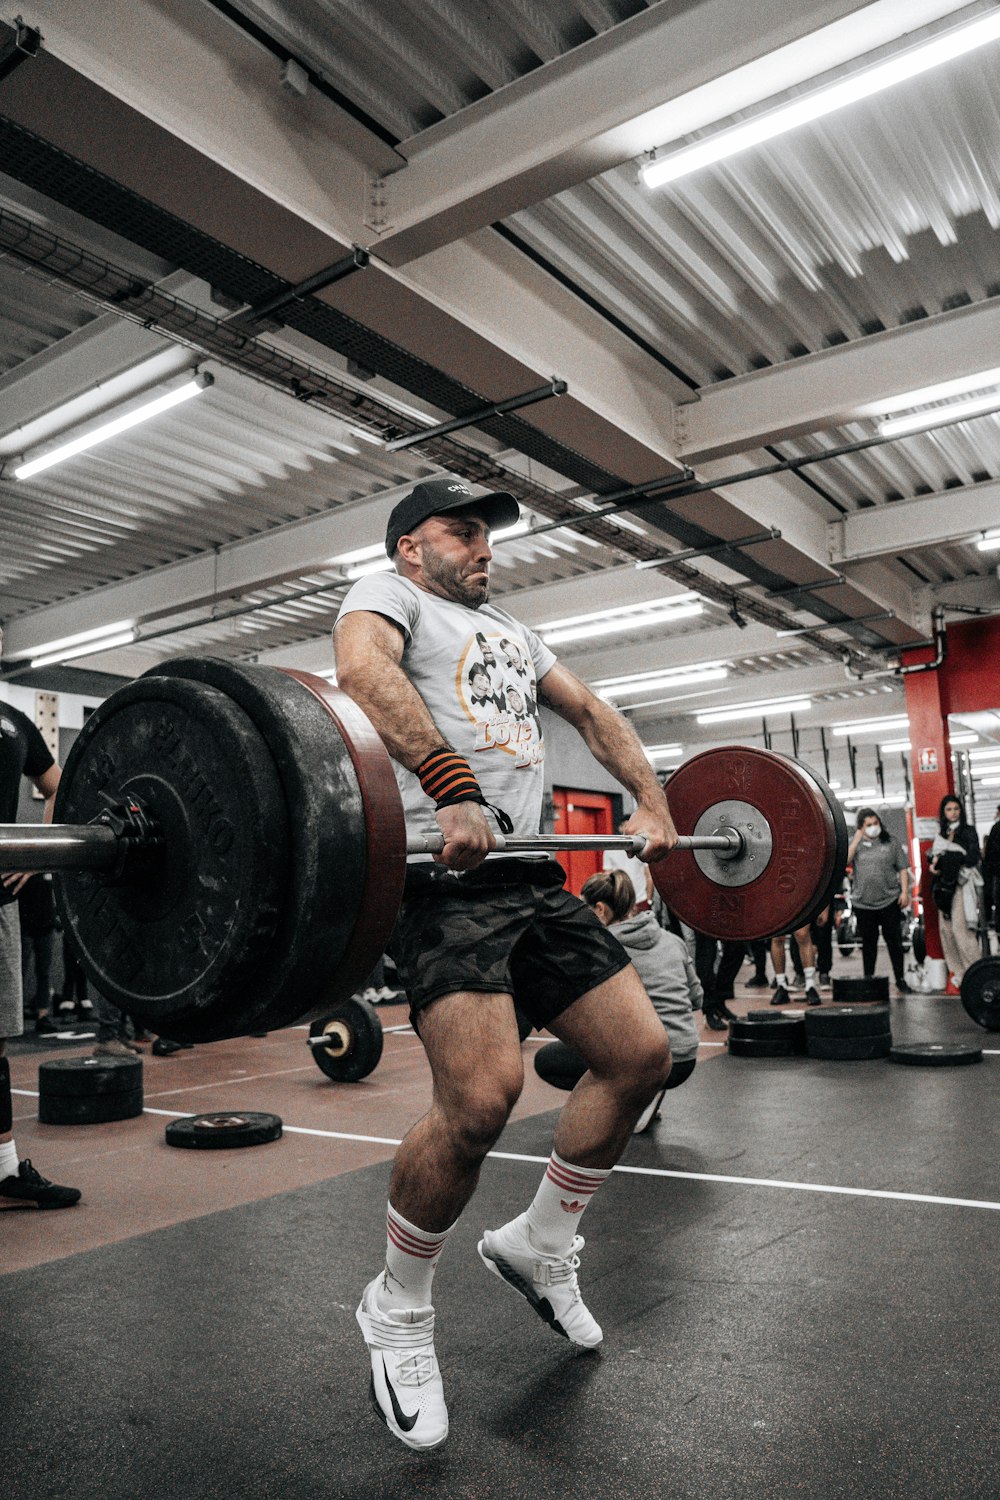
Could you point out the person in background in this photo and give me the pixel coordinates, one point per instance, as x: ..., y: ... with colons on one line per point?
x: 36, y: 911
x: 803, y: 937
x: 880, y: 891
x: 955, y: 886
x: 639, y: 873
x: 991, y: 872
x: 664, y: 965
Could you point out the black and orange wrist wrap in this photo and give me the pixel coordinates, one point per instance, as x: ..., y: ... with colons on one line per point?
x: 447, y: 778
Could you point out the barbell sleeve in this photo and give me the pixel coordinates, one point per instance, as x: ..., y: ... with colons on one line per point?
x: 58, y: 846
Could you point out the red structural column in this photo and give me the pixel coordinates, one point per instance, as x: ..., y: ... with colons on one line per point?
x: 927, y: 706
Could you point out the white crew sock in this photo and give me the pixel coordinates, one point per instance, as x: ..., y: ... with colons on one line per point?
x: 411, y: 1258
x: 810, y: 977
x: 553, y: 1218
x: 8, y: 1160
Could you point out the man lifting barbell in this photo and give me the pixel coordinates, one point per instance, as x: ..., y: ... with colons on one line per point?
x: 471, y: 941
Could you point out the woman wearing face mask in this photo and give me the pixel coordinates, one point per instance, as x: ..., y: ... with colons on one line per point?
x: 880, y: 890
x: 955, y: 887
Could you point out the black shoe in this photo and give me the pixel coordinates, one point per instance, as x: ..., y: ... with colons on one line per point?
x: 813, y: 996
x: 758, y: 982
x: 781, y: 995
x: 824, y: 981
x: 800, y: 979
x: 774, y: 984
x: 162, y: 1047
x: 714, y: 1021
x: 903, y: 987
x: 31, y: 1187
x: 726, y: 1014
x: 66, y: 1012
x: 45, y: 1026
x: 85, y: 1010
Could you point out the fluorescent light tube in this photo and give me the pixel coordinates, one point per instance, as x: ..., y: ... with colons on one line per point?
x: 114, y: 427
x: 989, y: 543
x: 938, y: 49
x: 939, y: 416
x: 634, y: 620
x: 657, y: 675
x: 381, y: 564
x: 50, y: 648
x: 754, y: 710
x: 655, y: 684
x: 871, y: 726
x: 90, y: 648
x: 944, y: 390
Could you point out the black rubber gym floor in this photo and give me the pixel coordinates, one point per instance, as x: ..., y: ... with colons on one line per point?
x: 761, y: 1340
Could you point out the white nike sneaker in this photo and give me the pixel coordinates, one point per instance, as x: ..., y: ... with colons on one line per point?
x: 406, y: 1389
x: 548, y: 1282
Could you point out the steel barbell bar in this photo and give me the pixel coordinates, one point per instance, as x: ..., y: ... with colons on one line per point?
x: 98, y: 846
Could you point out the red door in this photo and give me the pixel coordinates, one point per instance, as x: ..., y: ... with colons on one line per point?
x: 588, y: 813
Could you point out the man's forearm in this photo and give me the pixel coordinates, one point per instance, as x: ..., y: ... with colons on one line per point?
x: 396, y: 709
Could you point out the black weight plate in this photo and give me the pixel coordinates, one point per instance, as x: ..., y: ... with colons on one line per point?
x: 97, y: 1109
x: 220, y: 1131
x: 919, y: 942
x: 774, y: 1015
x: 848, y: 1048
x: 86, y: 1077
x: 182, y: 945
x: 765, y: 1047
x: 782, y: 1028
x: 848, y: 1021
x: 936, y: 1055
x: 860, y: 991
x: 348, y: 846
x: 356, y: 1039
x: 981, y: 992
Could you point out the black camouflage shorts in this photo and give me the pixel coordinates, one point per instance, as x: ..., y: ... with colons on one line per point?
x: 508, y: 927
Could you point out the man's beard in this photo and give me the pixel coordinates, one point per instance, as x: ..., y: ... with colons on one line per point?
x: 451, y: 581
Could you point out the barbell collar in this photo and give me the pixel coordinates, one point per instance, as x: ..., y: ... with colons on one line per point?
x: 727, y: 845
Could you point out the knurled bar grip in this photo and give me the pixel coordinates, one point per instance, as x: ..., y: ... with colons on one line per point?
x: 543, y: 843
x: 91, y: 846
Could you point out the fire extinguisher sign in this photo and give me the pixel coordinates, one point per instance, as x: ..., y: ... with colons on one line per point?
x: 928, y: 760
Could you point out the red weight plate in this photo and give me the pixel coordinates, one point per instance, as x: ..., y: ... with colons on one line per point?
x: 385, y: 833
x: 804, y: 844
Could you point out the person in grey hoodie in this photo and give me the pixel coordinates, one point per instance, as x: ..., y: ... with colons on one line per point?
x: 663, y: 963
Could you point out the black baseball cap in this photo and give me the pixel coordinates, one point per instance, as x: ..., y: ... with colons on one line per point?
x: 435, y: 496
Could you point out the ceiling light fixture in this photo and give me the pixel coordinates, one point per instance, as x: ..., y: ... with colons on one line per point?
x: 754, y: 710
x: 620, y: 618
x: 940, y: 416
x: 990, y: 542
x: 615, y: 688
x: 871, y: 726
x: 940, y: 48
x: 89, y: 648
x: 154, y: 408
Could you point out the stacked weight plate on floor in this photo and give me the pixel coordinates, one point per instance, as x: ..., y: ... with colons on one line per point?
x: 860, y: 991
x: 848, y: 1033
x: 936, y: 1055
x: 89, y: 1090
x: 767, y: 1036
x: 980, y: 992
x: 283, y: 858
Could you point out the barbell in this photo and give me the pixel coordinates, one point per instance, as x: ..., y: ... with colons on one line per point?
x: 231, y: 849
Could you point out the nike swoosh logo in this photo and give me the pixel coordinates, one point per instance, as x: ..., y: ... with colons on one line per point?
x: 406, y: 1423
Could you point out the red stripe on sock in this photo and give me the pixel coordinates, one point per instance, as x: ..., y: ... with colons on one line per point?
x: 571, y: 1181
x: 420, y: 1249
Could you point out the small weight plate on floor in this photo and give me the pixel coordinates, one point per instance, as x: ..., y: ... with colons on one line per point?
x: 353, y: 1041
x: 848, y: 1021
x: 858, y: 991
x: 937, y: 1055
x: 774, y: 886
x: 86, y: 1077
x: 220, y: 1131
x: 765, y: 1047
x: 981, y: 992
x: 848, y: 1048
x: 777, y: 1014
x: 783, y: 1028
x: 93, y: 1109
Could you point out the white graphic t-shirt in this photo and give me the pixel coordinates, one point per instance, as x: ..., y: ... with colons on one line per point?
x: 477, y: 671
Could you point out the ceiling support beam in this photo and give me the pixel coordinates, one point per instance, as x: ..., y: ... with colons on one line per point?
x: 932, y: 521
x: 640, y: 85
x: 834, y: 386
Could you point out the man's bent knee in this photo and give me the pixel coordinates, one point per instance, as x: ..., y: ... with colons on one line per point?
x: 476, y: 1122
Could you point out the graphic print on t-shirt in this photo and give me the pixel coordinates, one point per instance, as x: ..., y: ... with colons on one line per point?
x: 496, y: 688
